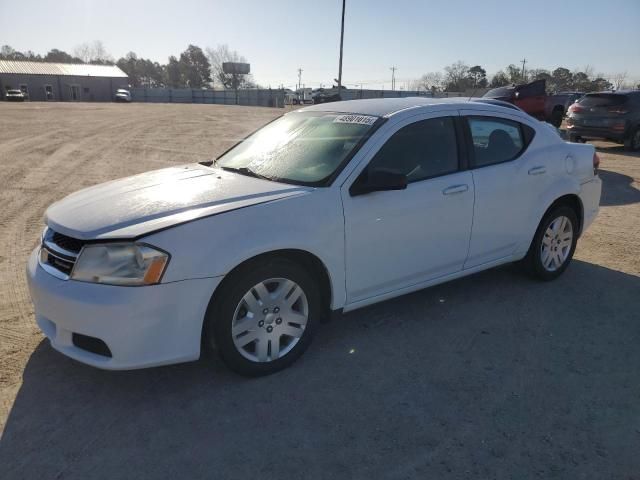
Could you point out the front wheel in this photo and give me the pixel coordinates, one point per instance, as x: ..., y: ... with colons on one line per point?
x: 263, y: 317
x: 553, y: 245
x: 556, y: 117
x: 632, y: 142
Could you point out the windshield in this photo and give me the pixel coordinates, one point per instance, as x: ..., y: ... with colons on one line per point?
x: 301, y: 147
x: 499, y: 92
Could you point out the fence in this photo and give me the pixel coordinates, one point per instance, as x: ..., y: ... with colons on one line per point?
x: 257, y: 97
x: 266, y: 97
x: 355, y: 94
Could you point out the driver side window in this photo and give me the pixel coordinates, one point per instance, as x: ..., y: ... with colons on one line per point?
x: 421, y: 150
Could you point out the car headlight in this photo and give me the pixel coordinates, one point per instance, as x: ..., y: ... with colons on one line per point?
x: 120, y: 264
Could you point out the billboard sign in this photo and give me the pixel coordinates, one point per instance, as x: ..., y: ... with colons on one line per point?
x: 234, y: 68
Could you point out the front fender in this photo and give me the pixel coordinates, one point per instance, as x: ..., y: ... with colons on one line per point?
x: 215, y: 245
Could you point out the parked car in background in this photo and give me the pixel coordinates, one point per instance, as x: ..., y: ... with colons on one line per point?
x: 13, y: 95
x: 328, y: 95
x: 571, y: 97
x: 613, y: 116
x: 533, y: 99
x: 123, y: 95
x: 329, y: 208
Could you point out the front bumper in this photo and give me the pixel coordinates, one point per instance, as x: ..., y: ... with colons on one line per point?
x: 142, y: 326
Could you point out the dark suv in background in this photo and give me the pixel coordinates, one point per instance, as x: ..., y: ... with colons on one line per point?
x: 613, y: 116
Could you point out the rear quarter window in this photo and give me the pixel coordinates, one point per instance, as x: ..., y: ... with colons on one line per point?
x: 497, y: 140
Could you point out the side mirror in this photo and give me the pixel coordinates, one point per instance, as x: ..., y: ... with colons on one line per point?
x: 378, y: 180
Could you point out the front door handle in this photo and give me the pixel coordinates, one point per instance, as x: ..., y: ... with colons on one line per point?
x: 455, y: 189
x: 537, y: 171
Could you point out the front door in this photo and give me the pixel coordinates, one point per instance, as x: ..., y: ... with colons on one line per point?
x: 398, y: 239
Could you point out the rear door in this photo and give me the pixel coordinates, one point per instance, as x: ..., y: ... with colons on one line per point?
x: 507, y: 183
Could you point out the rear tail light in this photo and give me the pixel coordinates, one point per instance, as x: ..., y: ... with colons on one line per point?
x: 596, y: 163
x: 575, y: 108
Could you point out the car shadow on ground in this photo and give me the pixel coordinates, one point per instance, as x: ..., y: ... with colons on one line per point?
x: 617, y: 189
x: 615, y: 149
x: 494, y: 375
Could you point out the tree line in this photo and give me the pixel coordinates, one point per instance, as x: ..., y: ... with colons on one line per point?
x: 193, y: 68
x: 460, y: 77
x: 198, y: 68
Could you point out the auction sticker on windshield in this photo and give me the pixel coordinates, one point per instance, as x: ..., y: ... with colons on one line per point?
x: 359, y: 119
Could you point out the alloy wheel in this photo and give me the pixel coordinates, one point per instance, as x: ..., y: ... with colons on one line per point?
x: 556, y: 243
x: 270, y: 319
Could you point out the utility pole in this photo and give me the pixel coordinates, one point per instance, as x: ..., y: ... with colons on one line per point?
x: 524, y: 62
x: 299, y: 78
x: 393, y: 77
x: 341, y: 43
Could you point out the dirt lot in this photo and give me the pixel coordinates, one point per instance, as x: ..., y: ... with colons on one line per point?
x: 492, y: 376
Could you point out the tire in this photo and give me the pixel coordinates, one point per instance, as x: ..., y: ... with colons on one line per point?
x: 632, y: 142
x: 549, y: 260
x: 252, y: 307
x: 556, y: 117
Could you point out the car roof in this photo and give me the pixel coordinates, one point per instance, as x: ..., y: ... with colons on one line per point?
x: 386, y: 107
x: 615, y: 92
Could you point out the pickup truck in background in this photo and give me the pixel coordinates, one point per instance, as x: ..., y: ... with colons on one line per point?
x: 533, y: 99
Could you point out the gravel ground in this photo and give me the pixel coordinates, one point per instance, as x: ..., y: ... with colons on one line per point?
x: 491, y: 376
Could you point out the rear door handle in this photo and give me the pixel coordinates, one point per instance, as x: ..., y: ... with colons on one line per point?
x: 537, y: 171
x: 455, y: 189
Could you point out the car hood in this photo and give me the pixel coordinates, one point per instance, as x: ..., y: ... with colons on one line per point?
x: 141, y: 204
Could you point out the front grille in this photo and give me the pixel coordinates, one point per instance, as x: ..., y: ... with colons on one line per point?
x: 63, y: 264
x: 59, y: 253
x: 71, y: 244
x: 91, y: 344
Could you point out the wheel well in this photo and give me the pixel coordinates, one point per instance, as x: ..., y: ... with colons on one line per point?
x: 301, y: 257
x: 572, y: 201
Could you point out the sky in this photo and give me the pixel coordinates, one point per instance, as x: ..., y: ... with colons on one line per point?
x: 279, y: 36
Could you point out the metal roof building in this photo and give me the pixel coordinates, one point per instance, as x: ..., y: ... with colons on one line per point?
x: 62, y: 81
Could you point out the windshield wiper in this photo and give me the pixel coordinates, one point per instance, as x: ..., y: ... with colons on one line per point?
x: 247, y: 171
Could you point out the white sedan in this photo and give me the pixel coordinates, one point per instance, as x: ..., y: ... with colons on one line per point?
x: 326, y: 209
x: 123, y: 95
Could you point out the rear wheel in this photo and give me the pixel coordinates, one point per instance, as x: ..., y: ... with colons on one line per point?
x: 556, y: 117
x: 263, y: 317
x: 552, y: 247
x: 632, y: 142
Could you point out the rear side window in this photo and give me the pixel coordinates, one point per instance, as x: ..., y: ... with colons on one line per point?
x: 497, y: 140
x: 422, y: 150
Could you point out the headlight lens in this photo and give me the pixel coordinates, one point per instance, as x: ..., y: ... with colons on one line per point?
x: 120, y: 264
